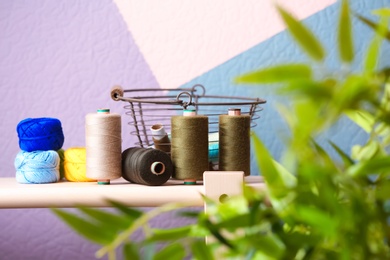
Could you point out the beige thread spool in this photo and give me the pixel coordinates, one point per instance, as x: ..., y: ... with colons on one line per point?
x: 234, y: 142
x: 103, y: 146
x: 189, y: 150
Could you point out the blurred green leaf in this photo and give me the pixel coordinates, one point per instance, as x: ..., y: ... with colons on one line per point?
x: 372, y: 24
x: 323, y: 154
x: 129, y: 212
x: 382, y: 191
x: 303, y: 36
x: 85, y: 228
x: 272, y: 176
x: 320, y: 220
x: 346, y: 159
x: 217, y: 233
x: 366, y: 152
x: 345, y: 41
x: 307, y: 88
x: 355, y: 90
x: 269, y: 244
x: 372, y: 54
x: 288, y: 178
x: 362, y: 118
x: 369, y: 167
x: 277, y: 74
x: 130, y: 251
x: 173, y: 251
x: 106, y: 219
x: 201, y: 251
x: 382, y: 12
x: 169, y: 234
x: 149, y: 250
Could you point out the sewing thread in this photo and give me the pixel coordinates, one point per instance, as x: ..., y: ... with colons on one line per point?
x: 103, y: 146
x: 190, y: 147
x: 146, y: 166
x: 160, y: 138
x: 234, y: 142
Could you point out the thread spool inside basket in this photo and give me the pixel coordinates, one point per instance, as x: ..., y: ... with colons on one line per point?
x: 234, y: 142
x: 190, y: 146
x: 103, y: 146
x: 146, y: 166
x: 160, y: 138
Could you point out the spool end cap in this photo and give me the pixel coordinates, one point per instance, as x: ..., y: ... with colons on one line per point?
x: 103, y: 110
x: 103, y: 182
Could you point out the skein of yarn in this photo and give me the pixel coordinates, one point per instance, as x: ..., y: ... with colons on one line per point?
x: 103, y: 146
x: 37, y: 167
x: 234, y: 142
x: 190, y: 149
x: 146, y: 166
x: 75, y: 168
x: 41, y: 134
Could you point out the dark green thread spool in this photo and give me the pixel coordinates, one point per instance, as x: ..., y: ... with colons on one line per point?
x: 189, y: 147
x: 234, y: 143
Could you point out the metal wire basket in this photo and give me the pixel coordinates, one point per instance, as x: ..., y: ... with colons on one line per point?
x: 147, y: 107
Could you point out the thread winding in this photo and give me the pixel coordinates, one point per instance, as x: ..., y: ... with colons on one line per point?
x: 40, y: 134
x: 146, y: 166
x: 190, y: 149
x: 103, y: 146
x: 234, y: 143
x: 160, y: 138
x: 37, y: 167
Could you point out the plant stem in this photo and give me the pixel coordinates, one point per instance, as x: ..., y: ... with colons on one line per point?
x: 138, y: 223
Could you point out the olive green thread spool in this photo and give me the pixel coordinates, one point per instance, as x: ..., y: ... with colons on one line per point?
x: 234, y: 142
x: 103, y: 146
x: 189, y: 146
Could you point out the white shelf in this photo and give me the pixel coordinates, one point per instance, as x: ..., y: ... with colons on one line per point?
x: 70, y: 194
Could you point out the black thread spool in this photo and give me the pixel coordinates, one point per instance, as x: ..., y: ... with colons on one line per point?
x: 234, y: 142
x: 146, y: 166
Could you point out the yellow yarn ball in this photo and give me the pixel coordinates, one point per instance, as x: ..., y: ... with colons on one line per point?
x: 75, y: 165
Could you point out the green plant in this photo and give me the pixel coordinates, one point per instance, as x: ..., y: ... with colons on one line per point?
x: 316, y: 206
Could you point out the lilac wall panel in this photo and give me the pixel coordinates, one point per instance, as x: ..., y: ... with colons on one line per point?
x: 58, y: 59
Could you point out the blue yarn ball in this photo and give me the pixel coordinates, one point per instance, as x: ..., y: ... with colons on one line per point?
x: 41, y: 134
x: 37, y: 167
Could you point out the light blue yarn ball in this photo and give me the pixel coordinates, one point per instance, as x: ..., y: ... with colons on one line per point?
x: 37, y: 167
